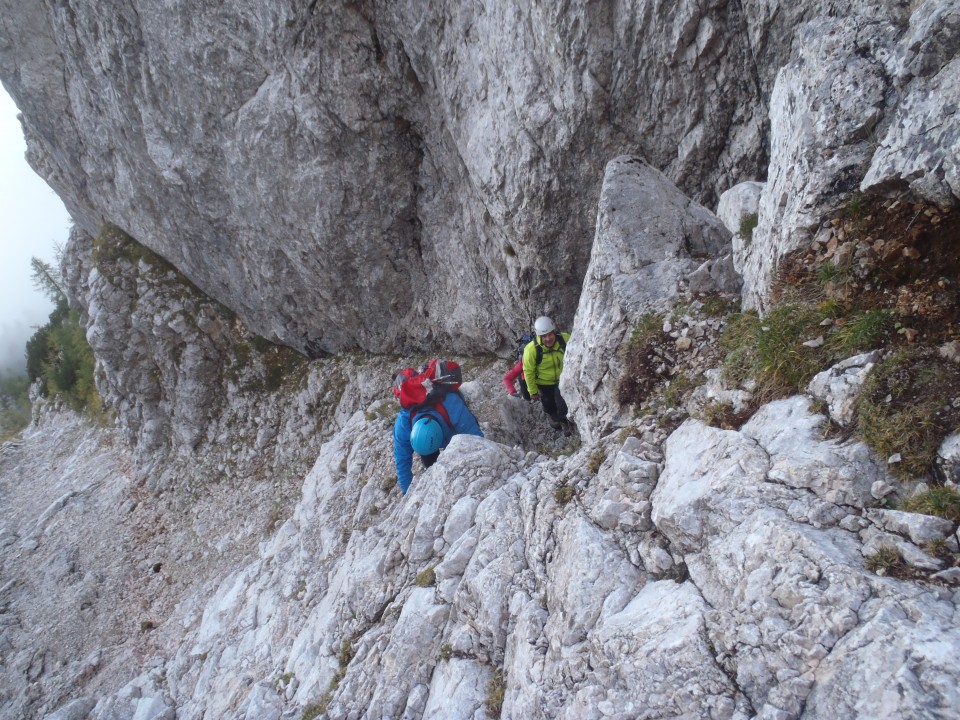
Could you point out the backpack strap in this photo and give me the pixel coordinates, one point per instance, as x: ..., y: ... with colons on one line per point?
x: 438, y: 407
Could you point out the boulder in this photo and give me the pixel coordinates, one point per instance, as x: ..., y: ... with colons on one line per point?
x: 738, y: 202
x: 840, y: 385
x: 649, y: 236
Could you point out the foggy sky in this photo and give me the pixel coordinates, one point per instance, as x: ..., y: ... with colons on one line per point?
x: 32, y: 221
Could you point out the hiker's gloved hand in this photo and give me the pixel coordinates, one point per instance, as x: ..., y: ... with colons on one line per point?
x: 535, y: 396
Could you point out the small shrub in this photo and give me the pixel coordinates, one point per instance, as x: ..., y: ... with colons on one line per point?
x: 639, y: 377
x: 595, y: 461
x: 886, y: 561
x: 941, y: 501
x: 345, y: 655
x: 426, y: 578
x: 937, y: 548
x: 855, y: 207
x: 563, y: 494
x: 14, y: 405
x: 495, y: 693
x: 678, y: 389
x: 446, y: 652
x: 748, y: 223
x: 647, y: 328
x: 58, y: 353
x: 715, y: 414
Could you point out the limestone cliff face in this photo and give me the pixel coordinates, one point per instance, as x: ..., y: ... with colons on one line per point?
x: 320, y: 173
x: 388, y: 175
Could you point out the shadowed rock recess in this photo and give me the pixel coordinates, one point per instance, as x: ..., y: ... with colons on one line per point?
x: 279, y: 205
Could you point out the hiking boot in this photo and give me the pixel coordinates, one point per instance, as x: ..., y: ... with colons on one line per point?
x: 556, y: 424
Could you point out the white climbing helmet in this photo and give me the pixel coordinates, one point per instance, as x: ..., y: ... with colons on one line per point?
x: 544, y: 325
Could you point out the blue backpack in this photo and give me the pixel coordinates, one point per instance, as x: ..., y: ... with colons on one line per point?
x: 521, y: 344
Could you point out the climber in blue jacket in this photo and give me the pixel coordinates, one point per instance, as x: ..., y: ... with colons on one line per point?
x: 432, y: 429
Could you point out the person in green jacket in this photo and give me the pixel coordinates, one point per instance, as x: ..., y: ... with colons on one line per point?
x: 542, y: 365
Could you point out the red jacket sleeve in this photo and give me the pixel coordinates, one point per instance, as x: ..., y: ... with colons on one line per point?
x: 511, y: 377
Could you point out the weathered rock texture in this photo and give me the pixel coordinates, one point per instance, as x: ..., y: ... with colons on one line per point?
x: 719, y: 574
x: 336, y: 173
x: 704, y: 573
x: 188, y: 384
x: 308, y: 166
x: 650, y: 239
x: 865, y: 105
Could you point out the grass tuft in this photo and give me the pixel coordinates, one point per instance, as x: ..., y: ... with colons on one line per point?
x: 563, y: 494
x: 898, y: 414
x: 496, y: 689
x: 783, y: 352
x: 595, y: 461
x: 748, y: 223
x: 772, y: 351
x: 942, y: 501
x: 886, y: 561
x: 313, y: 711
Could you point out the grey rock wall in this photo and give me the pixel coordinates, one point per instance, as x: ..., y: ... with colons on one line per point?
x: 388, y: 175
x: 865, y: 105
x: 189, y: 386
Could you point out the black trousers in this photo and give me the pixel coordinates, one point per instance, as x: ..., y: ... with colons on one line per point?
x: 553, y: 402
